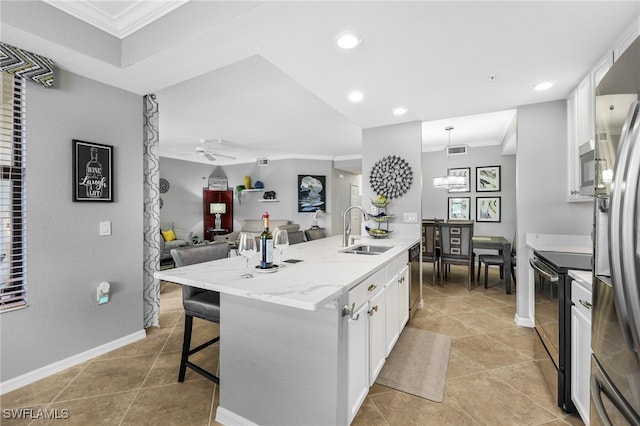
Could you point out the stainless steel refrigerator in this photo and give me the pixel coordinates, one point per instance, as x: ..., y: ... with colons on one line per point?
x: 615, y: 366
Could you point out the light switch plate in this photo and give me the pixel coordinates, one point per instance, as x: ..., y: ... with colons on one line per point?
x: 105, y: 228
x: 410, y: 217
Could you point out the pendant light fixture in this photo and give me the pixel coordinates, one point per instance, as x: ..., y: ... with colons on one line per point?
x: 449, y: 181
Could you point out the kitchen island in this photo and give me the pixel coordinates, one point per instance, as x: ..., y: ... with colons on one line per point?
x: 290, y: 352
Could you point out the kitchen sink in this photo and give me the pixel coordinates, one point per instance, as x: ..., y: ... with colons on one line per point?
x: 366, y: 249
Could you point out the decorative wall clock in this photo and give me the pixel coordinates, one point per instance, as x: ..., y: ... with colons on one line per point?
x: 164, y: 185
x: 391, y: 176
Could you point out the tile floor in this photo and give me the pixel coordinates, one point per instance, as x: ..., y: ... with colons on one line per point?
x: 491, y: 380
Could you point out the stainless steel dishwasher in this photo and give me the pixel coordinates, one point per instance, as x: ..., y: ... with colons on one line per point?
x: 415, y: 271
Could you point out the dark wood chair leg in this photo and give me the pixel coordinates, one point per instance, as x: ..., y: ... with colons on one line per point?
x: 186, y: 345
x: 486, y: 274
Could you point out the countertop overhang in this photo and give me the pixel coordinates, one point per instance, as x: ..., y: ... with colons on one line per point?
x: 323, y: 275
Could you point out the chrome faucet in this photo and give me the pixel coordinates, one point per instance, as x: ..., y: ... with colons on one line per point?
x: 347, y: 224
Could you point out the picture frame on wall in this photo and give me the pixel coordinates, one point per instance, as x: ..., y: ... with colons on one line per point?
x: 488, y: 179
x: 92, y: 171
x: 311, y: 193
x: 488, y: 209
x: 466, y: 172
x: 459, y: 208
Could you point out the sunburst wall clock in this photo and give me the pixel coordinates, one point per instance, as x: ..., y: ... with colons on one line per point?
x: 391, y: 176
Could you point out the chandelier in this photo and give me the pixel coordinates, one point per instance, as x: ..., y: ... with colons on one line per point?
x: 449, y: 181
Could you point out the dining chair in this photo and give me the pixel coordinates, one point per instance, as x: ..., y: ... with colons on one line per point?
x: 456, y: 247
x: 204, y: 304
x: 430, y: 249
x: 315, y: 234
x: 296, y: 237
x: 497, y: 260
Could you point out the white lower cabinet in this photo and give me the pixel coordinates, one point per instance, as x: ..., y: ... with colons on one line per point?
x: 403, y: 296
x: 379, y: 309
x: 358, y: 330
x: 377, y: 343
x: 392, y: 323
x: 581, y: 348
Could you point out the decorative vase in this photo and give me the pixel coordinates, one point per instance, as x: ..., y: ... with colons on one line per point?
x: 247, y: 182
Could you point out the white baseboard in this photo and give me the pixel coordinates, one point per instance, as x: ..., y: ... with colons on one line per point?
x: 56, y: 367
x: 229, y: 418
x: 524, y: 321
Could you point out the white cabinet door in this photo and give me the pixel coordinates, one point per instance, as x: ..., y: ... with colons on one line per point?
x: 391, y: 324
x: 403, y: 297
x: 377, y: 347
x: 581, y: 349
x: 358, y: 363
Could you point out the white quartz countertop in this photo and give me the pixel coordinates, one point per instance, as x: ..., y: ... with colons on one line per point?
x: 585, y: 277
x: 323, y: 275
x: 560, y: 243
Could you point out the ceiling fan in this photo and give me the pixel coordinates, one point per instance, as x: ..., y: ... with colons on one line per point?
x: 210, y: 155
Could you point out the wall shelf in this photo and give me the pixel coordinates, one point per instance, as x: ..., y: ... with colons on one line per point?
x: 268, y: 201
x: 252, y: 190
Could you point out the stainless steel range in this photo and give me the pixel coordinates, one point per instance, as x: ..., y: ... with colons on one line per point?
x: 553, y: 318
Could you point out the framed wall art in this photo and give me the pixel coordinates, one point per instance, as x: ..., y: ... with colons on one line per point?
x: 488, y: 209
x: 92, y: 171
x: 488, y: 179
x: 459, y: 208
x: 311, y: 193
x: 466, y: 172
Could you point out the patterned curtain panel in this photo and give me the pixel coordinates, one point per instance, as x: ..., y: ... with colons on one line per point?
x: 30, y: 66
x: 151, y: 160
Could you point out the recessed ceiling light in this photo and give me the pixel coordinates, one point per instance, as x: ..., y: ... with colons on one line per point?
x: 399, y: 111
x: 348, y: 40
x: 543, y: 86
x: 356, y: 96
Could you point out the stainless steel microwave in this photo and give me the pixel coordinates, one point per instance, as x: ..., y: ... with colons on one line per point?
x: 587, y: 168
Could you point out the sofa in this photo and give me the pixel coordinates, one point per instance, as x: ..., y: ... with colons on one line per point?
x: 168, y: 242
x: 255, y: 226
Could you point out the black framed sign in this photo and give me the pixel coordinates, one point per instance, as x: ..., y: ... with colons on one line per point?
x: 488, y: 179
x: 92, y: 171
x: 488, y: 209
x: 311, y: 193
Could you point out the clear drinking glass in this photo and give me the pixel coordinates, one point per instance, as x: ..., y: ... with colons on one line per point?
x: 247, y: 249
x: 280, y: 241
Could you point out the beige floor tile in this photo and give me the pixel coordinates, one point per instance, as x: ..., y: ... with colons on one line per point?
x: 99, y: 410
x: 43, y: 391
x: 473, y: 354
x: 102, y: 377
x: 369, y: 415
x: 481, y: 322
x: 444, y: 325
x: 187, y: 403
x: 491, y: 402
x: 399, y: 408
x: 518, y: 338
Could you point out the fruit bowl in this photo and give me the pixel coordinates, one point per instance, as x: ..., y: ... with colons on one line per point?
x: 380, y: 203
x: 377, y: 233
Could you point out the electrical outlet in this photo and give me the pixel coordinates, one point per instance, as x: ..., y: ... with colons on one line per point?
x: 411, y: 217
x: 102, y: 292
x: 105, y: 228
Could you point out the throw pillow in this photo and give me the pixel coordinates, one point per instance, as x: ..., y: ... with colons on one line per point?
x: 169, y: 235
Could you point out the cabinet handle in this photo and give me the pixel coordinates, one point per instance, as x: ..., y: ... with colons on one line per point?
x: 372, y: 287
x: 585, y: 304
x: 370, y: 311
x: 348, y: 311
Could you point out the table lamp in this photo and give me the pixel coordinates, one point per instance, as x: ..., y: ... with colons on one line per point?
x: 218, y: 209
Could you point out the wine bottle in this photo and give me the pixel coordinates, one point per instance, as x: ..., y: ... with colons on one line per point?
x: 266, y: 244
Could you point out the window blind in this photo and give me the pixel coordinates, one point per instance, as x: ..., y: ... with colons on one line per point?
x: 12, y: 195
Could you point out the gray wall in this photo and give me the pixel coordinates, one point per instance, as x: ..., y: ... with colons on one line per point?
x: 404, y: 140
x: 66, y: 258
x: 183, y: 201
x: 435, y: 201
x: 541, y: 175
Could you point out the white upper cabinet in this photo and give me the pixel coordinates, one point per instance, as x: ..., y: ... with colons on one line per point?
x: 626, y: 39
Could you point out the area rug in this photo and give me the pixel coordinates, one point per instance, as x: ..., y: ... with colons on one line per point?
x: 418, y: 364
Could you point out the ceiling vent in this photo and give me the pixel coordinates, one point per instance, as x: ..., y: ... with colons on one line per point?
x: 263, y: 162
x: 456, y: 150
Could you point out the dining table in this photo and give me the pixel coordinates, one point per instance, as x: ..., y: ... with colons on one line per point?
x: 503, y: 246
